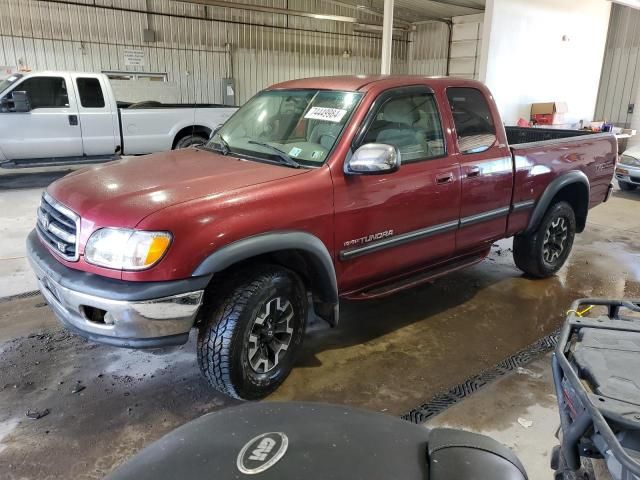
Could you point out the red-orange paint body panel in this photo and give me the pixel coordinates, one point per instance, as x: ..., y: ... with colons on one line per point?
x: 208, y: 200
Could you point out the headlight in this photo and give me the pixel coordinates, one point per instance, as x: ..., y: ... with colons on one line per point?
x: 627, y: 160
x: 125, y: 249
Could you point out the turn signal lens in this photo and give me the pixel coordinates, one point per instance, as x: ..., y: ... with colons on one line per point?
x: 157, y: 248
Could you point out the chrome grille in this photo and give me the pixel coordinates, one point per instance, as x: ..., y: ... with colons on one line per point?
x: 58, y: 227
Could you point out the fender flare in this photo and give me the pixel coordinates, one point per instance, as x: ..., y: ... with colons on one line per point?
x: 569, y: 178
x: 185, y: 130
x: 321, y: 260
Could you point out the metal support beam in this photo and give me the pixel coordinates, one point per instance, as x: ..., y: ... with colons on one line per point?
x: 472, y: 6
x: 423, y: 18
x: 387, y: 37
x: 280, y: 11
x: 370, y: 11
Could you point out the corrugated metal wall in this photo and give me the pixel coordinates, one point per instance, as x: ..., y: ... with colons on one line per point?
x: 197, y: 46
x: 41, y: 35
x: 429, y: 49
x: 620, y: 73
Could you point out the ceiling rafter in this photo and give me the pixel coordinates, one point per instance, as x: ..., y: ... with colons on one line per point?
x: 470, y: 6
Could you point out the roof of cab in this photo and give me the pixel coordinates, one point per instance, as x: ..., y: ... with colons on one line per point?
x: 45, y: 73
x: 353, y: 83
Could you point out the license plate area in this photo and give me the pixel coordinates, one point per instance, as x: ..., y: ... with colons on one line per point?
x: 48, y: 285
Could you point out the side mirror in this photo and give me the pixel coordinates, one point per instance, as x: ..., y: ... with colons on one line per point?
x: 20, y: 100
x: 373, y: 159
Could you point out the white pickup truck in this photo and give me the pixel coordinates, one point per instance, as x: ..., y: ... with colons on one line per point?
x: 61, y: 118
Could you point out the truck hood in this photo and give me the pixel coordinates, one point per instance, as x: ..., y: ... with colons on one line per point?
x: 123, y: 192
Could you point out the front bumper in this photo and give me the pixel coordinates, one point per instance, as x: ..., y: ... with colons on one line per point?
x: 116, y: 312
x: 628, y: 174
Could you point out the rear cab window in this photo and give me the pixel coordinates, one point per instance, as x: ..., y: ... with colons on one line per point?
x: 472, y: 118
x: 411, y: 123
x: 90, y: 92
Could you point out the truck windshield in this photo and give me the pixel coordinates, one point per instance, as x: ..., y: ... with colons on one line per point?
x: 8, y: 81
x: 303, y: 125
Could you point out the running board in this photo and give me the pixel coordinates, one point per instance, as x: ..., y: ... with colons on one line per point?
x: 56, y: 162
x: 415, y: 279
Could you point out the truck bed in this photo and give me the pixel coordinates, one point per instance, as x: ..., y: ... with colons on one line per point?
x: 154, y: 129
x: 542, y: 154
x: 518, y: 135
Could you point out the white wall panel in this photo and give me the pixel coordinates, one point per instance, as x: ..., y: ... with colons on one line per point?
x: 620, y: 78
x: 465, y: 46
x: 544, y: 51
x: 462, y: 67
x: 465, y: 31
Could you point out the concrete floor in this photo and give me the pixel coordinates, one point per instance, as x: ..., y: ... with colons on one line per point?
x: 19, y: 197
x: 388, y: 355
x: 518, y: 410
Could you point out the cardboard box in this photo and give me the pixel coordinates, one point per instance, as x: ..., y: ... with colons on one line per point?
x: 549, y: 113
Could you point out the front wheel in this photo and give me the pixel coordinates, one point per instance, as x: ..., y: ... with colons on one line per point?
x: 543, y: 252
x: 190, y: 141
x: 249, y: 338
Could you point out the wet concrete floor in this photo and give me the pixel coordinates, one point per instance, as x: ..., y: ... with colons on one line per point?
x: 518, y: 410
x: 388, y: 355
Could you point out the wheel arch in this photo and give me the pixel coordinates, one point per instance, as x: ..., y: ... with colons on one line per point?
x: 301, y: 252
x: 189, y: 130
x: 571, y: 187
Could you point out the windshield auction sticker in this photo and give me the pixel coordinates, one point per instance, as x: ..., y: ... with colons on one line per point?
x: 295, y: 151
x: 328, y: 114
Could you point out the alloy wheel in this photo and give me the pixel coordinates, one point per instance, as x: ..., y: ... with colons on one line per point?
x: 555, y: 240
x: 270, y: 335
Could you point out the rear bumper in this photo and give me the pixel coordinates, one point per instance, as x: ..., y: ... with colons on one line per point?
x: 116, y: 312
x: 628, y: 174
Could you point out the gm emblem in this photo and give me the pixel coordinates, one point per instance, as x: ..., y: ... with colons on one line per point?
x: 262, y: 452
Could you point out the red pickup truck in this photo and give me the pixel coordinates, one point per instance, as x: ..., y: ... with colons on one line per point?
x: 315, y: 190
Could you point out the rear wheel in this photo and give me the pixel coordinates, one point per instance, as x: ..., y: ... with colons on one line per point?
x: 543, y: 252
x: 191, y: 140
x: 249, y: 338
x: 626, y: 186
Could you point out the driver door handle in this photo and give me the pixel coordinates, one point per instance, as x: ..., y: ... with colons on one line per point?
x: 473, y: 172
x: 444, y: 178
x: 73, y: 120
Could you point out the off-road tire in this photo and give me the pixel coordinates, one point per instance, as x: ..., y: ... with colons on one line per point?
x: 190, y: 140
x: 626, y: 186
x: 227, y: 322
x: 529, y: 249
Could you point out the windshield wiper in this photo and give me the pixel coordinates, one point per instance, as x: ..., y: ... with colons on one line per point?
x: 284, y: 156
